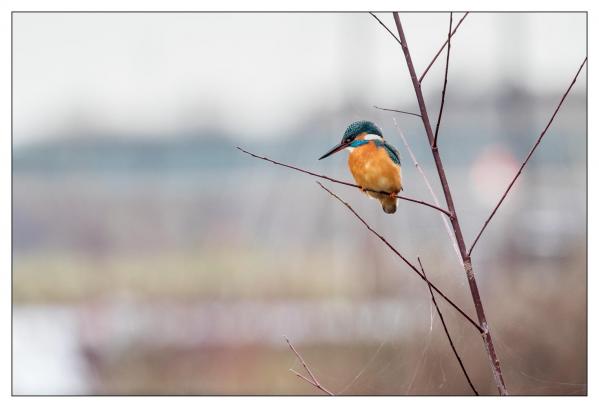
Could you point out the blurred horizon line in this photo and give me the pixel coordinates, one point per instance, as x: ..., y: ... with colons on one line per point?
x: 460, y: 101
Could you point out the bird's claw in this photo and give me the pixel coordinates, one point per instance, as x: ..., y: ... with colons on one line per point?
x: 393, y: 195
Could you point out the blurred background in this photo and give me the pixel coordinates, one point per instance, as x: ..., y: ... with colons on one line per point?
x: 152, y: 257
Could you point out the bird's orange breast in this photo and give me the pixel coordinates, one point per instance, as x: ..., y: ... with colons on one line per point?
x: 373, y: 169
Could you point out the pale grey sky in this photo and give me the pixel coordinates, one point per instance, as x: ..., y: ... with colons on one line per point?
x: 262, y: 74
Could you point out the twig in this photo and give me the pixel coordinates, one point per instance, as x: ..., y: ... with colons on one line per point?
x: 532, y: 150
x: 314, y: 380
x: 441, y: 49
x: 398, y: 111
x: 346, y: 183
x: 303, y: 377
x: 430, y: 189
x: 467, y: 262
x: 455, y: 352
x: 392, y: 248
x: 445, y: 81
x: 386, y: 28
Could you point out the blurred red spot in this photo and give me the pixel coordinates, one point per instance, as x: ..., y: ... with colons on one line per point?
x: 491, y: 173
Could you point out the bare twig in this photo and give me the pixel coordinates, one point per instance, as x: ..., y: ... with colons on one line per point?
x: 480, y: 312
x: 455, y: 352
x: 445, y: 81
x: 314, y: 381
x: 532, y: 150
x: 345, y: 183
x: 430, y: 189
x: 392, y: 248
x: 303, y: 377
x: 398, y: 111
x: 441, y: 49
x: 384, y: 25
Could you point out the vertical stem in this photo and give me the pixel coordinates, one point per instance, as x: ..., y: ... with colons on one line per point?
x: 455, y: 351
x: 445, y: 80
x: 430, y: 189
x: 486, y: 335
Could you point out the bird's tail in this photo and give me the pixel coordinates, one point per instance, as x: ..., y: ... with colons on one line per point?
x: 389, y: 204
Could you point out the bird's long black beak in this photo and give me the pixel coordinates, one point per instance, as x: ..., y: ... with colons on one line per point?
x: 334, y: 150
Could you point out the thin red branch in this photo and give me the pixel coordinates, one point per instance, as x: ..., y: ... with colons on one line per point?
x: 445, y: 80
x: 386, y: 28
x: 398, y: 111
x: 441, y: 49
x: 314, y: 381
x: 345, y: 183
x: 392, y: 248
x: 457, y: 229
x: 430, y: 189
x: 455, y: 351
x: 532, y: 150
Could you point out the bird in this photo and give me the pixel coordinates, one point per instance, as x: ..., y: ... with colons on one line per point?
x: 374, y: 163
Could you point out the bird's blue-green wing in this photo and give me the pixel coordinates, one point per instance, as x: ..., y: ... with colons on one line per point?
x: 392, y: 152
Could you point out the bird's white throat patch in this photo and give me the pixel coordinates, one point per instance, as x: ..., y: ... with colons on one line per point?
x: 367, y: 137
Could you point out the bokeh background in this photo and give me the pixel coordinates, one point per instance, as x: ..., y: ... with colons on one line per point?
x: 152, y: 257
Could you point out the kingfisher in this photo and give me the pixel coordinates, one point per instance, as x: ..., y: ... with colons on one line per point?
x: 373, y: 162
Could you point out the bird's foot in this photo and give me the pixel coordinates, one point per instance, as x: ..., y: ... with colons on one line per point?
x: 393, y: 195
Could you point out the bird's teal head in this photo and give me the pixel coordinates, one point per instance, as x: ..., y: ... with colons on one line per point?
x: 361, y: 127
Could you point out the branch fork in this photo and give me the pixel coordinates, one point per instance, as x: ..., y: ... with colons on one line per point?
x: 482, y: 325
x: 312, y: 380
